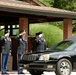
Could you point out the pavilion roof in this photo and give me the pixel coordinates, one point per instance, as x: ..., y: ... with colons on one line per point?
x: 24, y: 8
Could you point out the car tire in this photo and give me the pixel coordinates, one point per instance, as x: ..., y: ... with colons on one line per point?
x: 64, y: 67
x: 33, y: 72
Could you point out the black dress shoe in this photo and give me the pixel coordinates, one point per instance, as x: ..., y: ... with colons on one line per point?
x: 4, y: 73
x: 21, y: 73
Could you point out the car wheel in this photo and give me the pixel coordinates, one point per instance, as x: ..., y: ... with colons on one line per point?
x: 32, y: 72
x: 64, y: 67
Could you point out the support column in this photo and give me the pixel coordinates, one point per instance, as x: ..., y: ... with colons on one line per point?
x: 6, y: 26
x: 23, y: 25
x: 67, y: 28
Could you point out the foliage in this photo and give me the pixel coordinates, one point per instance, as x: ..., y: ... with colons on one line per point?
x: 65, y: 4
x: 52, y: 34
x: 74, y: 25
x: 2, y: 33
x: 47, y: 2
x: 58, y: 24
x: 62, y: 4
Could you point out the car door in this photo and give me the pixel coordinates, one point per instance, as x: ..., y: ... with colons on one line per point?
x: 74, y: 58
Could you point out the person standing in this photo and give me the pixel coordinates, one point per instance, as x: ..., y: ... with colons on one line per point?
x: 6, y: 49
x: 39, y: 43
x: 22, y: 44
x: 34, y: 43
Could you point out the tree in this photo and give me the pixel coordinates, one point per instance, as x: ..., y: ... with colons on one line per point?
x: 62, y: 4
x: 47, y: 2
x: 65, y: 4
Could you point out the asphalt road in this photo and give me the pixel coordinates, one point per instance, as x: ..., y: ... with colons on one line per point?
x: 27, y: 73
x: 51, y: 73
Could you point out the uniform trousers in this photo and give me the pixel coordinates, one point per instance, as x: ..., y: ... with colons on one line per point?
x: 20, y: 70
x: 5, y: 58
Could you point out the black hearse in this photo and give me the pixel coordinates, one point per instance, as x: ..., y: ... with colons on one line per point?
x: 60, y: 58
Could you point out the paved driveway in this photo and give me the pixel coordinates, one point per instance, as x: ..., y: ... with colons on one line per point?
x: 52, y: 73
x: 27, y: 73
x: 48, y: 73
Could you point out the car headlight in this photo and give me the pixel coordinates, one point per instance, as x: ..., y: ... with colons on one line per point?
x: 44, y: 57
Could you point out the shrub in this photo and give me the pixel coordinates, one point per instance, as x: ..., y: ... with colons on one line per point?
x: 52, y: 34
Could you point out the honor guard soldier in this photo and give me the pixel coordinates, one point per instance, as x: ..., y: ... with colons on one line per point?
x: 39, y: 43
x: 6, y: 49
x: 22, y: 42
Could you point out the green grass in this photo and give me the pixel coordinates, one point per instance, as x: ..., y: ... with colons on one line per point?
x: 52, y: 34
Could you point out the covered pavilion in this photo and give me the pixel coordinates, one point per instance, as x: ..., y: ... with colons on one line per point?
x: 25, y: 12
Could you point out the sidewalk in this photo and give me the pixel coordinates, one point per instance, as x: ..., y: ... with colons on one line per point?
x: 12, y: 72
x: 15, y: 72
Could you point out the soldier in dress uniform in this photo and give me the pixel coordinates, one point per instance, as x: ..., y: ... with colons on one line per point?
x: 6, y: 49
x: 22, y: 42
x: 34, y: 43
x: 40, y: 43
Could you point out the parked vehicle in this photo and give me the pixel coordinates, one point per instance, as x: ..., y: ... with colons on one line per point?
x: 61, y: 58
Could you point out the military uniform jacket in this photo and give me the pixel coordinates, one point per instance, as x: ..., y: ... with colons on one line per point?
x: 22, y: 43
x: 6, y: 45
x: 40, y: 44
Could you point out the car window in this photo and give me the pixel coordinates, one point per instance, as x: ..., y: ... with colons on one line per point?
x: 71, y: 47
x: 65, y: 45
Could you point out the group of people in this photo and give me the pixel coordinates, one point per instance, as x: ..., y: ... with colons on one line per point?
x: 39, y: 44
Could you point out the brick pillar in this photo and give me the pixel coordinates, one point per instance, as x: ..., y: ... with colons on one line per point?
x: 67, y: 28
x: 23, y: 25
